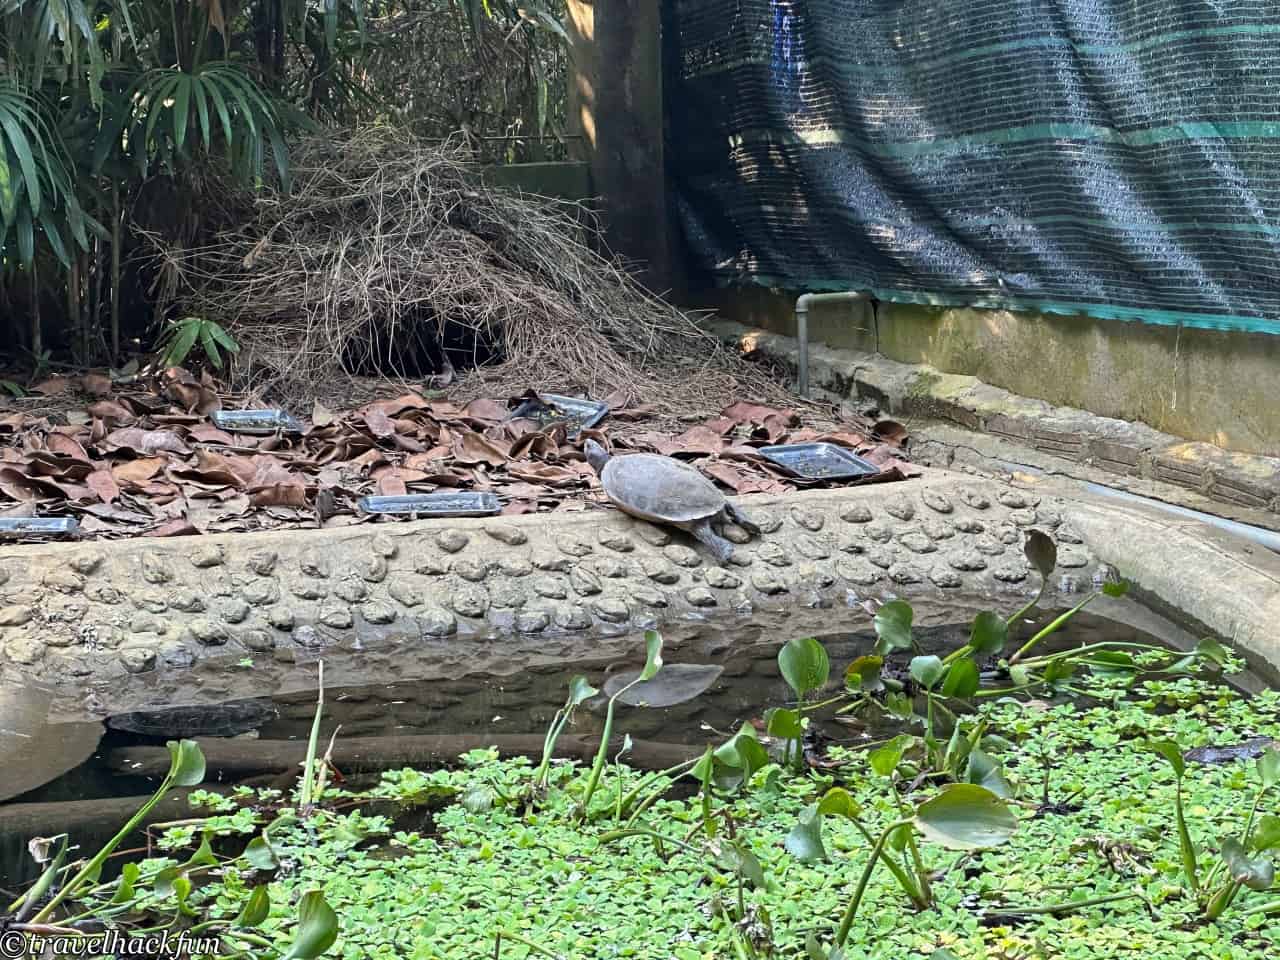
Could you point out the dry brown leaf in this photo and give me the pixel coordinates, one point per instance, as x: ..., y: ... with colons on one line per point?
x: 470, y: 447
x: 52, y: 386
x: 137, y: 472
x: 145, y: 442
x: 103, y: 483
x: 96, y: 384
x: 321, y: 416
x: 379, y: 423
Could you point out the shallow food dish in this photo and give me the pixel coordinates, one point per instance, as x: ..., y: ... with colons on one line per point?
x: 819, y: 461
x: 434, y: 505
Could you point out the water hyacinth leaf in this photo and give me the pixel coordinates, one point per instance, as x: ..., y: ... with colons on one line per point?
x: 677, y: 683
x: 784, y: 723
x: 1111, y: 663
x: 863, y: 675
x: 1116, y: 588
x: 478, y: 798
x: 1057, y: 671
x: 965, y: 816
x: 736, y: 857
x: 989, y: 633
x: 884, y: 760
x: 580, y: 691
x: 804, y: 842
x: 1269, y: 767
x: 962, y: 679
x: 985, y: 771
x: 1020, y: 675
x: 126, y: 888
x: 1266, y: 835
x: 927, y: 670
x: 900, y: 706
x: 181, y: 893
x: 652, y: 655
x: 186, y: 763
x: 256, y: 908
x: 259, y: 854
x: 317, y: 928
x: 1041, y: 552
x: 1256, y: 873
x: 1211, y: 650
x: 1169, y: 750
x: 805, y: 665
x: 893, y: 625
x: 837, y: 802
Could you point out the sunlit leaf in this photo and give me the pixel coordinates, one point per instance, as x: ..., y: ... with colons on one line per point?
x: 965, y: 816
x: 985, y: 771
x: 989, y: 633
x: 260, y: 855
x: 186, y: 763
x: 863, y: 675
x: 783, y: 723
x: 580, y: 691
x: 838, y: 802
x: 885, y: 759
x: 1256, y: 873
x: 962, y: 679
x: 1266, y: 834
x: 1269, y: 767
x: 1170, y: 751
x: 927, y: 670
x: 804, y: 842
x: 256, y: 908
x: 1041, y: 552
x: 805, y: 665
x: 653, y: 655
x: 893, y: 625
x: 317, y: 928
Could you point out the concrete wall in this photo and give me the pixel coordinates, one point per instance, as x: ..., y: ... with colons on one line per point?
x: 1200, y: 384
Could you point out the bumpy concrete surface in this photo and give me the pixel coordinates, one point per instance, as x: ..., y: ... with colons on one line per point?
x: 143, y: 624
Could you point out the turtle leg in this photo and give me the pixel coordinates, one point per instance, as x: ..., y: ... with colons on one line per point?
x: 721, y: 547
x: 741, y: 519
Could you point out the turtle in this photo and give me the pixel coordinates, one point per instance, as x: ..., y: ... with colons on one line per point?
x: 663, y: 490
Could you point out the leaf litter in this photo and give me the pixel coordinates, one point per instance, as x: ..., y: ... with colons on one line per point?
x: 141, y: 459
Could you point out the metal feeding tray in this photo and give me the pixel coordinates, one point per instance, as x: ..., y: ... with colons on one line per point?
x: 261, y: 422
x: 819, y: 461
x: 576, y: 413
x: 435, y: 505
x: 38, y: 526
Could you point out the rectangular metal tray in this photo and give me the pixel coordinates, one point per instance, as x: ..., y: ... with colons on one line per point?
x: 819, y: 461
x: 576, y: 413
x: 260, y: 422
x: 38, y: 526
x: 435, y: 505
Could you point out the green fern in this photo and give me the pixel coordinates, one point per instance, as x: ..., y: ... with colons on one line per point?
x: 183, y: 335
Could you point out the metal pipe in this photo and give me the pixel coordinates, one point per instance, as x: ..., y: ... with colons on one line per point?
x: 1267, y: 538
x: 803, y: 302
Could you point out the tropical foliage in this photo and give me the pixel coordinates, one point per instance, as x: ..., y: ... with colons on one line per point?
x: 118, y: 115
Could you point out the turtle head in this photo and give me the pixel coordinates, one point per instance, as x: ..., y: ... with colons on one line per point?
x: 597, y: 455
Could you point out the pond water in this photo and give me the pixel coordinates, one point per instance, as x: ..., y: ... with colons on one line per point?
x: 739, y: 658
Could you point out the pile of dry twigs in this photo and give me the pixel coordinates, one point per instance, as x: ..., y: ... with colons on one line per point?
x: 380, y: 235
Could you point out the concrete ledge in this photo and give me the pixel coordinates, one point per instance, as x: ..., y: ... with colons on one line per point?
x: 1116, y: 446
x: 143, y: 624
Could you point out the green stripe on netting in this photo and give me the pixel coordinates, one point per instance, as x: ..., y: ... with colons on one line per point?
x: 1101, y: 311
x: 1049, y: 132
x: 853, y: 66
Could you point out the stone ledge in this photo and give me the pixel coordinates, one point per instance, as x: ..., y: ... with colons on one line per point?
x: 118, y: 625
x: 1116, y: 446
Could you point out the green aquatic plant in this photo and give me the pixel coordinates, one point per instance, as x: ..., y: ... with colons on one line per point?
x: 806, y: 667
x: 652, y: 664
x: 962, y: 817
x: 1243, y: 861
x: 153, y: 889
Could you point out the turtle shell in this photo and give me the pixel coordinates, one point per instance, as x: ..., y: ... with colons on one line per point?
x: 659, y: 488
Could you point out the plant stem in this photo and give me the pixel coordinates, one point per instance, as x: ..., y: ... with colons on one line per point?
x: 602, y: 754
x: 1185, y: 846
x: 1053, y: 626
x: 842, y: 933
x: 1044, y: 584
x: 96, y: 863
x: 535, y: 947
x: 651, y: 834
x: 1056, y: 909
x: 308, y: 768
